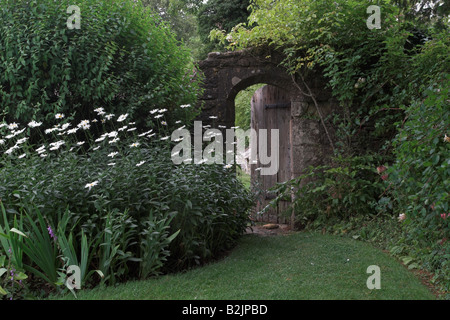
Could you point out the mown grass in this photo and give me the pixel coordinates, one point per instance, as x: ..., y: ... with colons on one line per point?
x: 243, y: 177
x: 296, y: 266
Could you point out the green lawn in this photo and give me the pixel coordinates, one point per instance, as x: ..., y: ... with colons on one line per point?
x: 295, y: 266
x: 244, y: 177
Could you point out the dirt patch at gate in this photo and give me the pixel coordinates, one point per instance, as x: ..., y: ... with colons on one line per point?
x: 270, y: 229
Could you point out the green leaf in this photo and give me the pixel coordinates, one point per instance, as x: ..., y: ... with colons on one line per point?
x: 20, y: 276
x: 3, y: 292
x: 435, y: 159
x: 173, y: 236
x: 18, y: 232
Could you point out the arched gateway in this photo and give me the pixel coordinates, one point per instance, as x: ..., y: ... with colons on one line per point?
x: 281, y: 105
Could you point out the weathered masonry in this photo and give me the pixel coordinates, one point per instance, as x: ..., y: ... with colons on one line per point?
x: 279, y: 105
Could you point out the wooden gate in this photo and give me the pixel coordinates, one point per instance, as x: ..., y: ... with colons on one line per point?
x: 271, y: 109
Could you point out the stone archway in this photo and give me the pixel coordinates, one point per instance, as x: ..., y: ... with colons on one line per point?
x: 228, y: 73
x: 225, y: 74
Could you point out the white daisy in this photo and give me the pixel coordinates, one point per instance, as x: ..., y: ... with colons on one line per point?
x: 64, y: 126
x: 41, y: 149
x: 71, y: 131
x: 56, y: 145
x: 10, y: 150
x: 59, y: 116
x: 100, y: 111
x: 90, y: 185
x: 13, y: 126
x: 34, y: 124
x: 20, y: 141
x: 140, y: 163
x: 84, y: 125
x: 112, y: 154
x: 112, y: 134
x: 145, y: 133
x: 47, y: 131
x: 134, y: 145
x: 122, y: 117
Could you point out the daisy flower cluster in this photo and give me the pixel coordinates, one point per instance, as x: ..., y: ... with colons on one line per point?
x: 13, y: 142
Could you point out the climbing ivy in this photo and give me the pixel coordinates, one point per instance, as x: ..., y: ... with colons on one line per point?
x: 392, y: 86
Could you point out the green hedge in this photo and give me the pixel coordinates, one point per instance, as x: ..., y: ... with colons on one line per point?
x: 122, y: 58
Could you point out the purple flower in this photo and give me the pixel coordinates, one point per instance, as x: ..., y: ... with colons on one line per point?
x: 50, y: 232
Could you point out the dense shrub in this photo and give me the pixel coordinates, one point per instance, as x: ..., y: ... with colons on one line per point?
x: 120, y: 194
x: 122, y: 58
x: 420, y: 180
x: 382, y: 79
x: 328, y: 195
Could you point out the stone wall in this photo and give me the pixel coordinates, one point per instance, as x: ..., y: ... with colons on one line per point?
x: 225, y: 74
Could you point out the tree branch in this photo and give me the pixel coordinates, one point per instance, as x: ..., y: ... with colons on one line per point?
x: 311, y: 95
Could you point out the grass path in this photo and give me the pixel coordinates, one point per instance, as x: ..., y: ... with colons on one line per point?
x: 296, y: 266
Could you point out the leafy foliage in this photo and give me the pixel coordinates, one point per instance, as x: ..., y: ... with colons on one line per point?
x: 391, y: 86
x: 243, y: 106
x: 119, y: 210
x: 328, y: 195
x: 122, y: 58
x: 420, y: 179
x: 212, y: 14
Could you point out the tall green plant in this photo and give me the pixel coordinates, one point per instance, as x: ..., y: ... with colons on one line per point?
x: 123, y: 57
x: 40, y: 247
x: 154, y: 243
